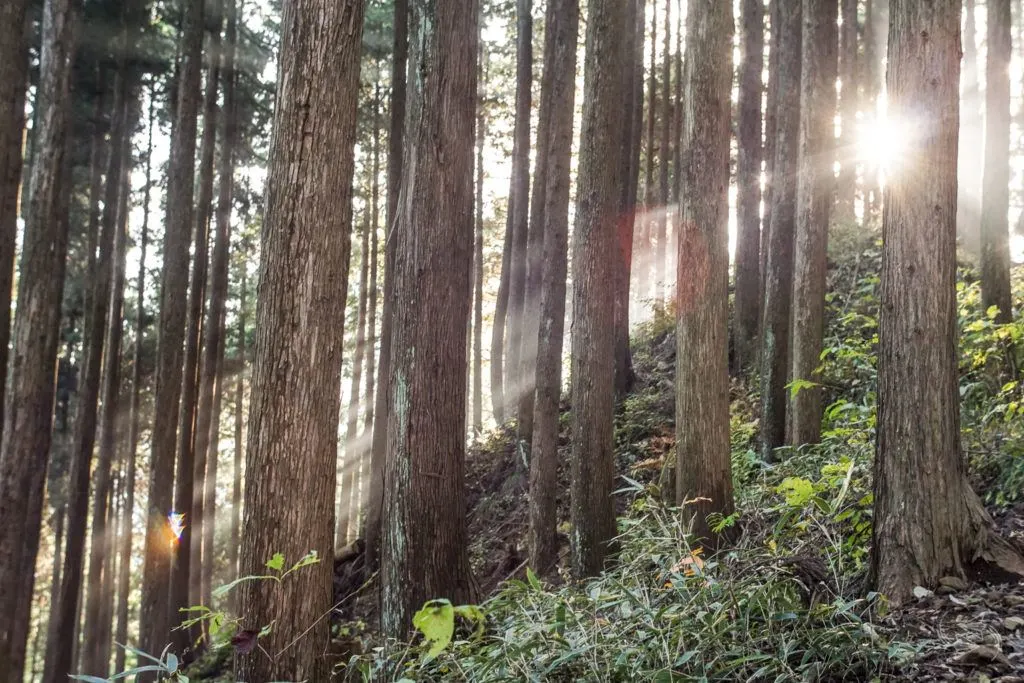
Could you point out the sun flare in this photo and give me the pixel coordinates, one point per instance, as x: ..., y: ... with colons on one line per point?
x: 882, y: 142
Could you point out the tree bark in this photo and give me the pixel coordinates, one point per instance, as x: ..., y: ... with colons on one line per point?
x: 928, y: 522
x: 382, y: 410
x: 971, y: 144
x: 815, y: 196
x: 560, y: 36
x: 13, y: 80
x: 657, y: 283
x: 846, y: 184
x: 779, y: 267
x: 293, y: 424
x: 371, y: 325
x: 703, y: 467
x: 593, y: 248
x: 770, y: 126
x: 424, y: 552
x: 664, y: 151
x: 236, y: 482
x: 478, y: 279
x: 748, y: 186
x: 995, y: 227
x: 154, y: 614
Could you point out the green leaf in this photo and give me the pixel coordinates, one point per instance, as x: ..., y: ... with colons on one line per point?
x: 276, y: 562
x: 474, y: 614
x: 309, y: 558
x: 798, y: 385
x: 138, y: 670
x: 221, y: 591
x: 89, y: 679
x: 436, y: 621
x: 797, y: 490
x: 172, y: 662
x: 532, y: 579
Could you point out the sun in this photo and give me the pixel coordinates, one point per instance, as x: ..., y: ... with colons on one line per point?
x: 882, y: 143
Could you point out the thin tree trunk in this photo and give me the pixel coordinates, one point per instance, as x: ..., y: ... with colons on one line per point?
x: 748, y: 186
x: 770, y: 131
x: 424, y: 552
x: 478, y: 279
x: 294, y: 416
x: 371, y: 325
x: 134, y: 416
x: 60, y: 638
x: 593, y: 248
x: 815, y: 196
x: 562, y: 27
x: 154, y: 616
x: 664, y: 148
x: 846, y: 184
x: 13, y: 79
x: 236, y: 482
x: 928, y: 522
x: 995, y: 228
x: 186, y: 572
x: 382, y: 407
x: 657, y: 282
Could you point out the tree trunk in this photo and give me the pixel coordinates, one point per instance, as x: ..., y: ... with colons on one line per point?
x: 560, y: 36
x: 657, y: 283
x: 971, y: 144
x: 236, y: 480
x: 747, y: 307
x: 593, y: 249
x: 928, y: 522
x: 519, y: 208
x: 779, y: 268
x: 134, y: 417
x: 703, y: 468
x: 186, y: 575
x: 211, y: 377
x: 13, y: 79
x: 424, y: 552
x: 293, y: 427
x: 382, y: 409
x: 154, y: 614
x: 478, y: 279
x: 995, y: 228
x: 664, y: 150
x: 371, y: 325
x: 815, y: 195
x: 770, y: 130
x: 846, y: 184
x: 878, y: 29
x: 60, y: 638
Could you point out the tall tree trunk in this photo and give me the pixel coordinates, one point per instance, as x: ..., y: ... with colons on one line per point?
x: 657, y: 282
x: 971, y: 144
x: 134, y: 416
x: 748, y: 185
x: 664, y: 149
x: 60, y: 638
x: 815, y: 195
x: 301, y: 316
x: 519, y: 206
x: 770, y: 129
x: 779, y: 267
x: 846, y: 184
x: 995, y: 228
x: 478, y: 252
x: 703, y: 468
x: 424, y: 550
x: 349, y: 499
x: 186, y: 575
x: 96, y: 657
x: 562, y: 27
x: 382, y: 409
x: 236, y: 479
x: 13, y: 79
x: 154, y: 614
x: 593, y: 249
x: 928, y: 522
x: 212, y: 378
x: 878, y: 29
x: 371, y: 324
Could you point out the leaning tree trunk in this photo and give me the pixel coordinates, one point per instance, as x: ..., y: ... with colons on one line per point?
x: 592, y: 462
x: 779, y: 266
x: 293, y: 427
x: 703, y: 467
x: 995, y: 204
x: 424, y: 550
x: 154, y: 613
x: 815, y: 194
x: 13, y: 79
x: 381, y: 410
x: 747, y: 308
x: 562, y: 27
x: 928, y: 522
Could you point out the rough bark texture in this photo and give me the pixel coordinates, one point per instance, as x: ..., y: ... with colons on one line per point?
x: 703, y: 469
x: 154, y: 614
x: 13, y: 79
x: 779, y: 265
x: 561, y: 29
x: 478, y: 256
x: 424, y: 548
x: 846, y: 184
x: 236, y: 483
x: 995, y: 227
x: 592, y: 467
x: 748, y: 185
x: 815, y: 196
x: 519, y: 206
x: 371, y: 324
x: 28, y: 418
x: 293, y: 424
x: 186, y: 577
x: 928, y: 521
x: 396, y: 130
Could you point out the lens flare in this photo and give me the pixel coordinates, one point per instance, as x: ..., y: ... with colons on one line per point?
x: 176, y: 525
